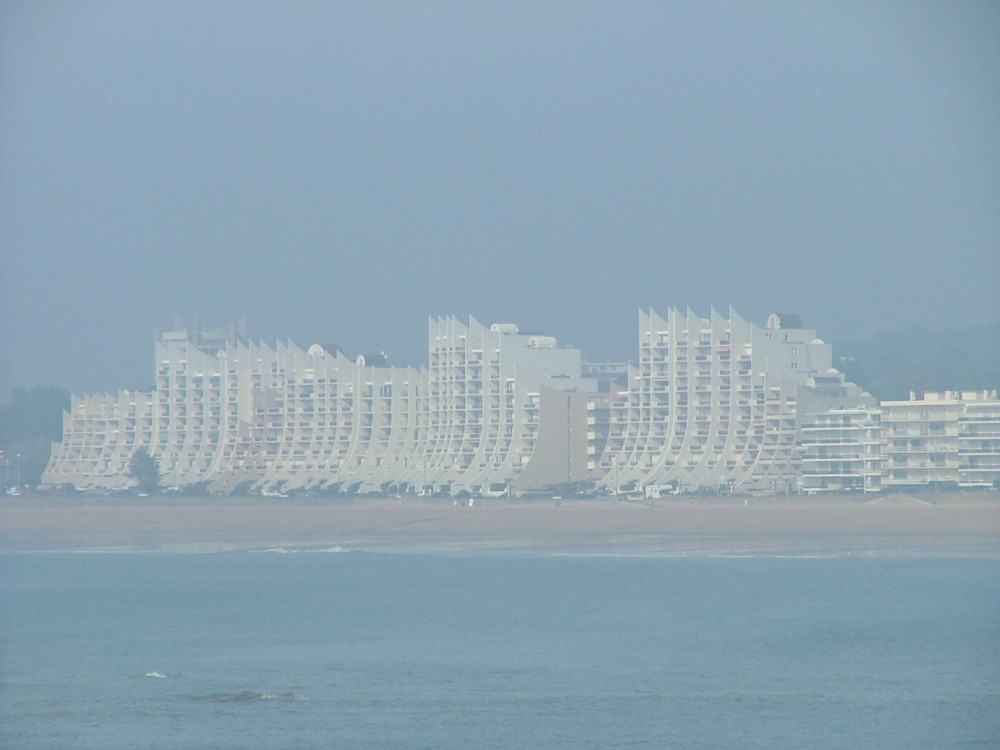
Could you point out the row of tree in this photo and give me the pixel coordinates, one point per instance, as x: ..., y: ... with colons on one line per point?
x: 29, y: 423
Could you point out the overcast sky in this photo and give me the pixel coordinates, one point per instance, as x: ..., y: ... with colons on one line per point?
x: 338, y: 172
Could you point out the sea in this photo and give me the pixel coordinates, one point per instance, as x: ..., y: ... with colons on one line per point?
x: 342, y: 649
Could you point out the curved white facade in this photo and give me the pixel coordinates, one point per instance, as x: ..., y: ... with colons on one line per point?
x: 712, y: 403
x: 100, y: 434
x: 229, y: 414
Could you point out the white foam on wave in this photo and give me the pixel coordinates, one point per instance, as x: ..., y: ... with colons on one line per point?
x: 155, y: 674
x: 249, y: 696
x: 301, y: 551
x: 282, y: 697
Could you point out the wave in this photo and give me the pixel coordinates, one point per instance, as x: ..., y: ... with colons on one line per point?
x: 206, y: 549
x: 302, y: 550
x: 155, y: 674
x: 248, y: 696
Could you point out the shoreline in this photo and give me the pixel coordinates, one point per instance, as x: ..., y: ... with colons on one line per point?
x: 957, y: 525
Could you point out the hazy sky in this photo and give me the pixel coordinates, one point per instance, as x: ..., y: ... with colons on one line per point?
x: 337, y: 172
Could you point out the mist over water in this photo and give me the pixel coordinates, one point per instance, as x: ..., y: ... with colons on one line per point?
x: 342, y: 649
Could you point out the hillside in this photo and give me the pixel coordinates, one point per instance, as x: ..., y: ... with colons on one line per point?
x: 893, y: 363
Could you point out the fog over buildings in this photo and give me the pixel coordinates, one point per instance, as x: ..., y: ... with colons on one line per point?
x: 341, y: 172
x: 713, y: 404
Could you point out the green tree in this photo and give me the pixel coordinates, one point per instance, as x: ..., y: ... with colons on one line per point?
x: 29, y: 424
x: 145, y: 470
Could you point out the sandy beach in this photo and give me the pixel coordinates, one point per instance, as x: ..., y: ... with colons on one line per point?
x: 895, y: 525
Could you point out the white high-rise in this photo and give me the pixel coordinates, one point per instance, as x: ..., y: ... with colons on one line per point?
x: 229, y: 414
x: 484, y: 385
x: 715, y: 403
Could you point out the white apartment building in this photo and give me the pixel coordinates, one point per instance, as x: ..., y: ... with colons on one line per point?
x: 842, y: 451
x: 100, y: 434
x: 979, y: 441
x: 484, y: 387
x: 949, y: 438
x: 717, y: 403
x: 235, y: 415
x: 713, y: 403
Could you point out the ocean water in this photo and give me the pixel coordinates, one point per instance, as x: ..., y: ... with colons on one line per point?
x: 365, y: 650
